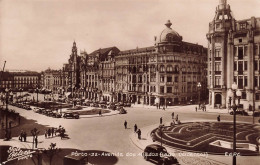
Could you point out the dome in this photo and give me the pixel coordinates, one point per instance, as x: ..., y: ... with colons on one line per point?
x: 169, y: 35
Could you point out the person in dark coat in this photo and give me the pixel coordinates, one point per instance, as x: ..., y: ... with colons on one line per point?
x: 218, y: 118
x: 135, y: 127
x: 139, y: 133
x: 172, y: 115
x: 25, y: 136
x: 46, y: 133
x: 161, y: 120
x: 36, y: 141
x: 196, y: 109
x: 177, y: 117
x: 100, y: 114
x: 52, y: 131
x: 49, y: 132
x: 125, y: 124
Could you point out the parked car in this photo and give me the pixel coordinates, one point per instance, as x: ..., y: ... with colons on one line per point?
x: 122, y: 111
x: 112, y: 106
x: 73, y: 115
x: 239, y: 112
x: 159, y: 154
x: 48, y: 112
x: 127, y: 104
x: 56, y: 115
x: 256, y: 114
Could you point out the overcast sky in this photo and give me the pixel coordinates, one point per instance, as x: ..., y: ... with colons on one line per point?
x: 37, y: 34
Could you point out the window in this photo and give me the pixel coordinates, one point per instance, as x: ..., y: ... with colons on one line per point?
x: 245, y: 51
x: 217, y: 80
x: 161, y: 78
x: 257, y: 96
x: 169, y: 68
x: 240, y: 53
x: 256, y: 65
x: 235, y: 66
x: 245, y: 81
x: 169, y: 78
x: 161, y: 89
x: 240, y: 67
x: 243, y: 95
x: 152, y: 69
x: 240, y: 82
x: 176, y: 79
x: 169, y: 89
x: 217, y: 66
x: 162, y: 68
x: 256, y: 81
x: 245, y: 65
x: 240, y: 40
x: 242, y: 26
x: 153, y: 78
x: 256, y: 50
x: 217, y: 53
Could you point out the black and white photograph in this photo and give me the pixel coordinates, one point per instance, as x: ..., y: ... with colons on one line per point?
x: 129, y: 82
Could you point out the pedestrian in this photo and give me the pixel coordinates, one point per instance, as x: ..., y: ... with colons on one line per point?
x: 46, y: 133
x: 161, y: 120
x: 21, y: 136
x: 36, y: 141
x: 172, y: 115
x: 100, y: 113
x: 139, y: 134
x: 135, y: 127
x: 196, y: 108
x: 52, y: 131
x: 163, y: 108
x: 153, y: 136
x: 125, y: 124
x: 218, y: 118
x: 49, y: 132
x: 177, y: 117
x: 25, y: 136
x: 156, y: 105
x: 205, y: 108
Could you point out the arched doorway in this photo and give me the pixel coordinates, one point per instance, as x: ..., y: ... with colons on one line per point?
x: 218, y: 99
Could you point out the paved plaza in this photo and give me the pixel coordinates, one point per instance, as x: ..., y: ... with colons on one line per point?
x: 107, y: 132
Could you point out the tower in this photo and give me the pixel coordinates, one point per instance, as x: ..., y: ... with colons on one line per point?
x: 233, y: 57
x: 220, y: 54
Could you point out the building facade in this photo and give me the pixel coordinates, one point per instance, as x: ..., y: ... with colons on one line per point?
x: 164, y: 74
x: 52, y: 80
x: 15, y: 81
x: 233, y: 57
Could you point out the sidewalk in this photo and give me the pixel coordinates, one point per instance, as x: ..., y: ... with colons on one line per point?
x: 189, y: 158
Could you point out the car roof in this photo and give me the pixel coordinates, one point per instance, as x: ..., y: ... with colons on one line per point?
x: 155, y: 146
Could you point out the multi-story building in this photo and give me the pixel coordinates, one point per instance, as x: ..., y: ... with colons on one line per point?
x: 233, y: 56
x: 166, y: 73
x: 52, y: 80
x: 19, y: 80
x: 100, y: 79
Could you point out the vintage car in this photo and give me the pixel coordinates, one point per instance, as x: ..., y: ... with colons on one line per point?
x: 122, y: 111
x: 56, y: 115
x: 73, y: 115
x: 257, y: 114
x: 239, y: 112
x: 158, y: 154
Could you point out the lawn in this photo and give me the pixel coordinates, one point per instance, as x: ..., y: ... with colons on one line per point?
x: 93, y: 112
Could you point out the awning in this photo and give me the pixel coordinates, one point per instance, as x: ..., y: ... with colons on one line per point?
x: 67, y: 94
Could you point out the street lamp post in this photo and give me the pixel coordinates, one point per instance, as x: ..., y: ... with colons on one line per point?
x: 199, y: 87
x: 160, y: 128
x: 235, y: 93
x: 6, y: 114
x: 37, y: 90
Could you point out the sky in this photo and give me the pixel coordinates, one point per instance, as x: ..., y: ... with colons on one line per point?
x: 38, y: 34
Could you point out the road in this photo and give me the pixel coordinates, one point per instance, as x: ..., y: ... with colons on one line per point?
x: 107, y: 133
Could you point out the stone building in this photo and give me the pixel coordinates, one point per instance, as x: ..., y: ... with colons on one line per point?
x: 164, y: 74
x: 233, y: 56
x: 52, y: 80
x: 16, y: 80
x: 100, y: 78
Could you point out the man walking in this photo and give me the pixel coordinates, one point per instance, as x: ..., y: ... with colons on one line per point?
x: 196, y: 108
x: 125, y: 124
x: 172, y: 115
x: 135, y: 127
x: 36, y: 141
x: 161, y: 120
